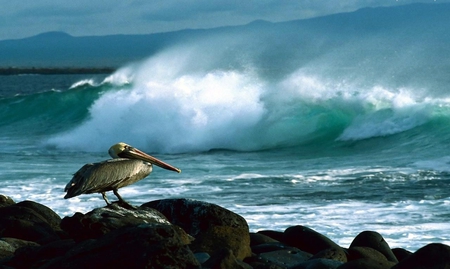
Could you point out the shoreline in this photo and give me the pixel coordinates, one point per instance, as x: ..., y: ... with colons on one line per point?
x: 185, y: 234
x: 11, y: 71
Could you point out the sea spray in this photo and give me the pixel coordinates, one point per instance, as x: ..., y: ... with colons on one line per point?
x: 177, y: 110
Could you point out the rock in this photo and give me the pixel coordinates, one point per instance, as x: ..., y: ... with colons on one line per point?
x: 32, y: 255
x: 223, y: 237
x: 376, y: 241
x: 101, y: 221
x: 18, y: 243
x: 285, y: 258
x: 401, y: 253
x: 355, y: 253
x: 307, y: 239
x: 269, y: 247
x: 258, y: 239
x: 29, y: 221
x: 337, y: 254
x: 367, y: 264
x: 276, y: 235
x: 213, y: 227
x: 196, y: 216
x: 6, y: 250
x: 150, y: 245
x: 225, y: 259
x: 5, y: 200
x: 53, y: 219
x: 431, y: 256
x: 319, y: 264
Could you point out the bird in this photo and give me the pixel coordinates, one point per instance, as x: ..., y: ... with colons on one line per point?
x: 127, y: 166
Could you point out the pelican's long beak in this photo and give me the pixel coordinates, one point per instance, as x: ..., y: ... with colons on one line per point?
x: 134, y: 153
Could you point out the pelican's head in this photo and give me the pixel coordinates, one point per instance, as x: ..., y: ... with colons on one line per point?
x: 123, y: 150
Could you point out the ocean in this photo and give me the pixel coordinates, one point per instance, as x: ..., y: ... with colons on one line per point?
x: 342, y: 142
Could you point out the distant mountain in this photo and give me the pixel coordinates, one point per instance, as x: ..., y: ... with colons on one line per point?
x: 312, y: 38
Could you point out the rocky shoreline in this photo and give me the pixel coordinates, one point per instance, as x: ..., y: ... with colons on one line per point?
x: 182, y: 233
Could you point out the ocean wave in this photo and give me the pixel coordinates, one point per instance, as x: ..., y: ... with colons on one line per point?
x: 177, y: 110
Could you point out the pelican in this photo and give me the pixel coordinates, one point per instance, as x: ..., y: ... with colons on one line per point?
x: 128, y: 166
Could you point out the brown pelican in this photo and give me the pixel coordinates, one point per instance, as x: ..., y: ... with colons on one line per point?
x: 128, y: 166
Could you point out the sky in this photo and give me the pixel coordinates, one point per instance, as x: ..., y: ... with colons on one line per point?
x: 24, y: 18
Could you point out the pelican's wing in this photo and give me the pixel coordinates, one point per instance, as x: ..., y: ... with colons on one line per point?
x: 106, y: 176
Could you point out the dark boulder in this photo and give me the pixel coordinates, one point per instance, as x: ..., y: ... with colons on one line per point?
x: 269, y: 247
x: 285, y: 258
x: 337, y: 254
x: 367, y: 264
x: 307, y: 239
x: 101, y: 221
x: 276, y: 235
x: 6, y: 201
x: 319, y: 264
x: 376, y: 241
x: 225, y: 259
x: 431, y: 256
x: 213, y: 227
x: 35, y: 256
x: 258, y: 239
x: 196, y: 216
x: 8, y: 246
x: 355, y: 253
x: 30, y: 221
x: 401, y: 253
x: 150, y: 245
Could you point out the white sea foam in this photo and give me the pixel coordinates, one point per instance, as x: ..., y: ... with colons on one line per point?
x: 84, y: 82
x: 186, y: 100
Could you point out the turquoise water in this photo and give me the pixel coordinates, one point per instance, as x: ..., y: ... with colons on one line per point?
x: 341, y: 139
x: 330, y: 163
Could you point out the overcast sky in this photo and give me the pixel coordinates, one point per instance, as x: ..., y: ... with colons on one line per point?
x: 24, y: 18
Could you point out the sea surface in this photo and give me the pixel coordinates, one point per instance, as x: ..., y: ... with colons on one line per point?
x: 335, y: 148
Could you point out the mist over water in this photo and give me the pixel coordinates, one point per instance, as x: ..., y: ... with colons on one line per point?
x: 232, y: 91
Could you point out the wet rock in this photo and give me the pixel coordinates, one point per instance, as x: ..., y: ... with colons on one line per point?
x: 258, y: 239
x: 53, y: 219
x: 196, y: 216
x: 431, y: 256
x: 6, y: 250
x: 401, y: 253
x: 269, y: 247
x: 213, y: 227
x: 101, y: 221
x: 319, y: 264
x: 307, y: 239
x: 225, y: 259
x: 286, y: 258
x: 276, y: 235
x: 6, y: 200
x: 34, y: 256
x: 18, y: 243
x: 337, y: 254
x: 376, y: 241
x: 151, y: 245
x: 355, y: 253
x: 367, y: 264
x: 223, y: 237
x: 29, y: 221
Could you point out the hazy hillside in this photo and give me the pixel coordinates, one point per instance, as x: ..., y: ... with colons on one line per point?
x: 369, y: 29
